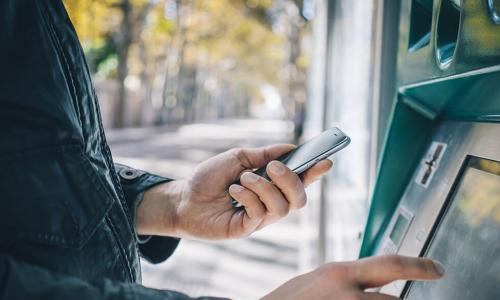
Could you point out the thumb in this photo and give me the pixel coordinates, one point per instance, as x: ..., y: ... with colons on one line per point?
x: 258, y: 157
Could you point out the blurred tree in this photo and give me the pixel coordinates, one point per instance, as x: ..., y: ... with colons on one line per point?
x: 193, y: 59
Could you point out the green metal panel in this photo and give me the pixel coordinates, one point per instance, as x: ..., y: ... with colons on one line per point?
x: 417, y: 111
x: 401, y: 153
x: 465, y: 87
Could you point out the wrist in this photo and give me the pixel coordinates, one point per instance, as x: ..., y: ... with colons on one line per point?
x: 156, y: 213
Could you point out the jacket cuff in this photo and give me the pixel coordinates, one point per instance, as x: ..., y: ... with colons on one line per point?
x: 134, y: 183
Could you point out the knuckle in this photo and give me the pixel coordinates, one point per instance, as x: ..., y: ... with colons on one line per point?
x: 258, y: 209
x: 301, y: 201
x: 267, y: 188
x: 282, y: 211
x: 260, y: 182
x: 233, y: 152
x: 276, y: 205
x: 267, y: 154
x: 260, y: 213
x: 238, y: 153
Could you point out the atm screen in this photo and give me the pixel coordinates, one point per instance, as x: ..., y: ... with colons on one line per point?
x: 467, y: 239
x: 399, y: 229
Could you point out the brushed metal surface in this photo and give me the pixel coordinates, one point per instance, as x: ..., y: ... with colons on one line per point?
x: 424, y: 203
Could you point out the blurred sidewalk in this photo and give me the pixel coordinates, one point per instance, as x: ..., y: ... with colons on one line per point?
x: 238, y: 269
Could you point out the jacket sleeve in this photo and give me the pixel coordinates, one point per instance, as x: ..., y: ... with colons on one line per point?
x: 134, y: 183
x: 20, y: 280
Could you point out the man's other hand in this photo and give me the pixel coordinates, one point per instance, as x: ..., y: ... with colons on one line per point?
x: 200, y: 206
x: 350, y: 280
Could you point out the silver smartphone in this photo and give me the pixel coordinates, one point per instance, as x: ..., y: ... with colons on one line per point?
x: 306, y: 155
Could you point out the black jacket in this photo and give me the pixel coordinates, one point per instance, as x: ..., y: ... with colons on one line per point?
x: 66, y: 210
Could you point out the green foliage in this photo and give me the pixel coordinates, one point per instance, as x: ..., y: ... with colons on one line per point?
x: 216, y: 31
x: 196, y: 47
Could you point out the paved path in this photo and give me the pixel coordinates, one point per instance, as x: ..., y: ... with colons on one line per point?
x: 237, y: 269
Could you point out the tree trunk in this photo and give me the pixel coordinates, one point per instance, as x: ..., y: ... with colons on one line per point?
x: 145, y: 76
x: 123, y: 41
x: 175, y: 63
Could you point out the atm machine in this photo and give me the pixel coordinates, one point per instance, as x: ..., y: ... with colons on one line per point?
x: 437, y: 192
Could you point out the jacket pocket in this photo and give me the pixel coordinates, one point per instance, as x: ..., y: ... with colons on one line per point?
x: 51, y: 196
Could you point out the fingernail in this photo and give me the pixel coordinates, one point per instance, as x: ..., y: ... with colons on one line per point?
x: 236, y: 188
x: 277, y: 168
x: 439, y: 267
x: 249, y: 177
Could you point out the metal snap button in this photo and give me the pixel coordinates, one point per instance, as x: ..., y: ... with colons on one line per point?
x: 129, y: 174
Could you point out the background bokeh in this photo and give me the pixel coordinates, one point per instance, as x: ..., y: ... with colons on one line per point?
x: 161, y: 62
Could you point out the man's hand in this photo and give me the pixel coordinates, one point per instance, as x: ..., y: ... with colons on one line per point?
x: 200, y: 206
x: 349, y: 280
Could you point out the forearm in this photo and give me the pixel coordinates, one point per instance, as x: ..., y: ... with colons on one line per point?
x: 156, y: 213
x: 134, y: 184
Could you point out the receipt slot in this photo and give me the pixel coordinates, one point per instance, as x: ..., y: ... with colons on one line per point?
x: 437, y: 192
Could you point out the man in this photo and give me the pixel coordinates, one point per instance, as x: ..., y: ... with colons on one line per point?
x: 72, y: 223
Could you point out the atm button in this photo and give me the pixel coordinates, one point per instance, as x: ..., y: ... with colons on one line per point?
x: 421, y: 236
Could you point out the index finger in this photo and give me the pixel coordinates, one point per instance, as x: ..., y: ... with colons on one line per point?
x: 381, y: 270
